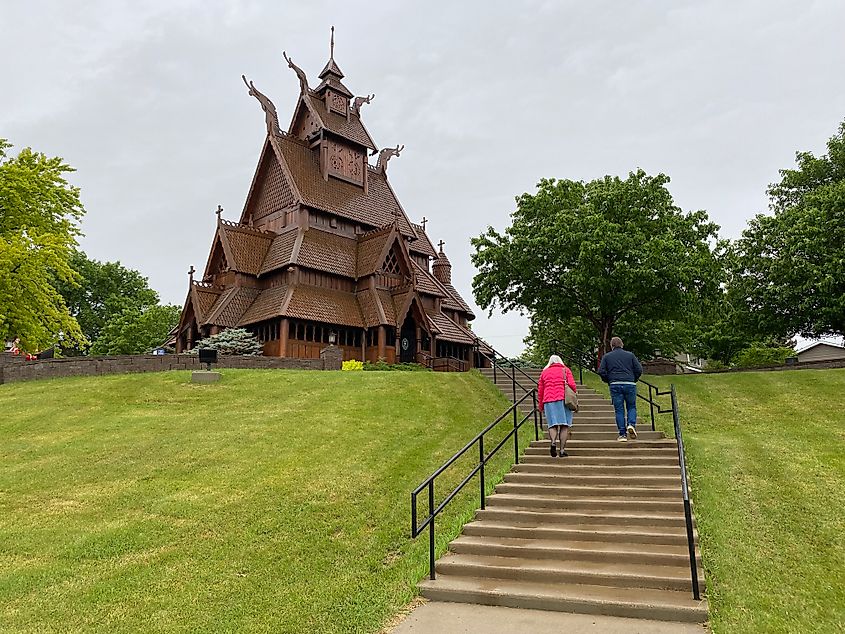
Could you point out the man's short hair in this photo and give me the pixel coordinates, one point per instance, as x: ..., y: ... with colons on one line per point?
x: 616, y: 342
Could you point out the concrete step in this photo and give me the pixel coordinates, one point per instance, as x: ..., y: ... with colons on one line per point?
x: 618, y: 449
x: 562, y: 479
x: 548, y: 517
x: 583, y: 532
x: 666, y: 605
x: 608, y: 435
x: 613, y: 459
x: 578, y: 439
x: 630, y: 490
x: 628, y: 471
x: 602, y: 551
x: 607, y: 503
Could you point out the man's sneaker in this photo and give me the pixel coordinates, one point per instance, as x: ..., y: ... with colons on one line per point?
x: 632, y: 432
x: 622, y: 439
x: 553, y: 451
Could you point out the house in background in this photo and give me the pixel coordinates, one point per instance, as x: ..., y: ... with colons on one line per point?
x: 821, y: 351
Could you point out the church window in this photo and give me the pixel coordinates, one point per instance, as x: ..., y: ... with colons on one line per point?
x: 391, y: 263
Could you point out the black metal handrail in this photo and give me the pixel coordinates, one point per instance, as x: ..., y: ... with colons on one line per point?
x: 495, y: 363
x: 483, y: 459
x: 656, y: 408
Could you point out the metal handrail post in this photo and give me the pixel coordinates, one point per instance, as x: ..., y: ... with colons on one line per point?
x: 481, y: 471
x: 513, y: 381
x: 515, y: 434
x: 536, y: 428
x: 494, y: 369
x: 651, y: 407
x: 685, y: 492
x: 431, y: 574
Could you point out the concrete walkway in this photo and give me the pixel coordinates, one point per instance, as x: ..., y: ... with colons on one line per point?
x: 439, y: 617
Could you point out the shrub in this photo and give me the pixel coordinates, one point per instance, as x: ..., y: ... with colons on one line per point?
x: 758, y: 356
x: 231, y: 341
x: 383, y: 366
x: 353, y: 365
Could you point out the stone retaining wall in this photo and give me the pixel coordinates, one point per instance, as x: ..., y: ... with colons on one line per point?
x: 13, y: 368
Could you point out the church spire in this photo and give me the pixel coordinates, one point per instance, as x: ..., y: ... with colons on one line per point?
x: 331, y: 76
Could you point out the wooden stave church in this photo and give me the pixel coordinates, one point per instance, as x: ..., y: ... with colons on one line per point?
x: 324, y: 250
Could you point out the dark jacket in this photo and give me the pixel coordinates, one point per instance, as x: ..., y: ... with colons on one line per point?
x: 619, y: 365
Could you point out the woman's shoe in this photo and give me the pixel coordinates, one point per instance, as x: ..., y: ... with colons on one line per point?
x: 563, y: 454
x: 553, y: 451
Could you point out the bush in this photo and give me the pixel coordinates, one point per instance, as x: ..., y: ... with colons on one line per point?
x: 713, y: 364
x: 383, y: 366
x: 231, y: 341
x: 759, y: 356
x: 353, y: 365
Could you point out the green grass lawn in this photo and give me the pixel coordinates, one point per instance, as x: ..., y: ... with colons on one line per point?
x: 766, y: 454
x: 274, y: 501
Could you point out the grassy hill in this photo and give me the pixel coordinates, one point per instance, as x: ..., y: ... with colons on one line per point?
x: 272, y: 501
x: 766, y: 453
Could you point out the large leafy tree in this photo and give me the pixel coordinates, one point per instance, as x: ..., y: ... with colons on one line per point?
x: 791, y: 265
x: 136, y: 331
x: 39, y: 216
x: 609, y: 251
x: 104, y: 292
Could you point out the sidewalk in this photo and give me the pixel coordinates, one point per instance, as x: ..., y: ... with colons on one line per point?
x: 438, y: 617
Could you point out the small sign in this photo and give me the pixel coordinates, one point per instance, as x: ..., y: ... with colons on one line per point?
x: 405, y: 343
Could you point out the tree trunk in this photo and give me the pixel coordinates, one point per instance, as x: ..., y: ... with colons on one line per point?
x: 605, y: 334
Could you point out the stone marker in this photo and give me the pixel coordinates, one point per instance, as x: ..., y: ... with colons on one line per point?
x: 204, y: 376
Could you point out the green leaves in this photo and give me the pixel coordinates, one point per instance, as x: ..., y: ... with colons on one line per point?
x: 601, y: 251
x: 39, y: 214
x: 136, y: 331
x: 790, y: 267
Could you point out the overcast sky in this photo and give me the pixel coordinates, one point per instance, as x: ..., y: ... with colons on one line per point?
x: 145, y: 99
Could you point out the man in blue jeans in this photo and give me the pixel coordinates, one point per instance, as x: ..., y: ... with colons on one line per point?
x: 621, y: 369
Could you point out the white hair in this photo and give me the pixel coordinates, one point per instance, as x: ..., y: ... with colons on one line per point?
x: 554, y: 359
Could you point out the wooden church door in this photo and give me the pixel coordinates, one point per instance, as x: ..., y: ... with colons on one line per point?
x: 408, y: 341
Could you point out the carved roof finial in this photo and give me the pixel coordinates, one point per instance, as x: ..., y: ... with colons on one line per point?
x: 271, y: 118
x: 360, y: 101
x: 331, y: 46
x: 385, y: 155
x: 303, y: 79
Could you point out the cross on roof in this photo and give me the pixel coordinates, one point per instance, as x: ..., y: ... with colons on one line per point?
x: 440, y: 244
x: 191, y: 271
x: 219, y: 210
x: 423, y: 221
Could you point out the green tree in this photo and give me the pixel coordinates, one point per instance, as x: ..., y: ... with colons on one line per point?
x: 791, y: 266
x: 605, y: 251
x: 104, y: 292
x: 136, y: 331
x: 39, y: 216
x: 231, y: 341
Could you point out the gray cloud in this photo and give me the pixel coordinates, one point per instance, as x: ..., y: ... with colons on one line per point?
x: 147, y: 103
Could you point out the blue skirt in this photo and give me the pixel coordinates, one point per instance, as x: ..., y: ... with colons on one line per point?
x: 557, y: 414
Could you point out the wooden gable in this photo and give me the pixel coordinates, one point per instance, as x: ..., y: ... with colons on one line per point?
x: 270, y: 192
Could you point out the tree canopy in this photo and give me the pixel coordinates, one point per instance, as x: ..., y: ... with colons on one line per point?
x: 609, y: 252
x: 136, y: 331
x: 39, y: 216
x: 104, y: 292
x: 790, y: 266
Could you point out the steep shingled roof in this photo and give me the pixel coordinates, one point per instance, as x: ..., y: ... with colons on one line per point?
x: 247, y: 247
x: 375, y: 208
x: 231, y: 305
x: 269, y: 303
x: 327, y: 305
x: 328, y: 252
x: 280, y: 252
x: 352, y: 128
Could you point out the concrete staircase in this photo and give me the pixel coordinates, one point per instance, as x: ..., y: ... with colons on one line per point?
x: 599, y: 532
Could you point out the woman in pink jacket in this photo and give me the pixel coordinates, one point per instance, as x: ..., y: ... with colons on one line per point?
x: 551, y: 392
